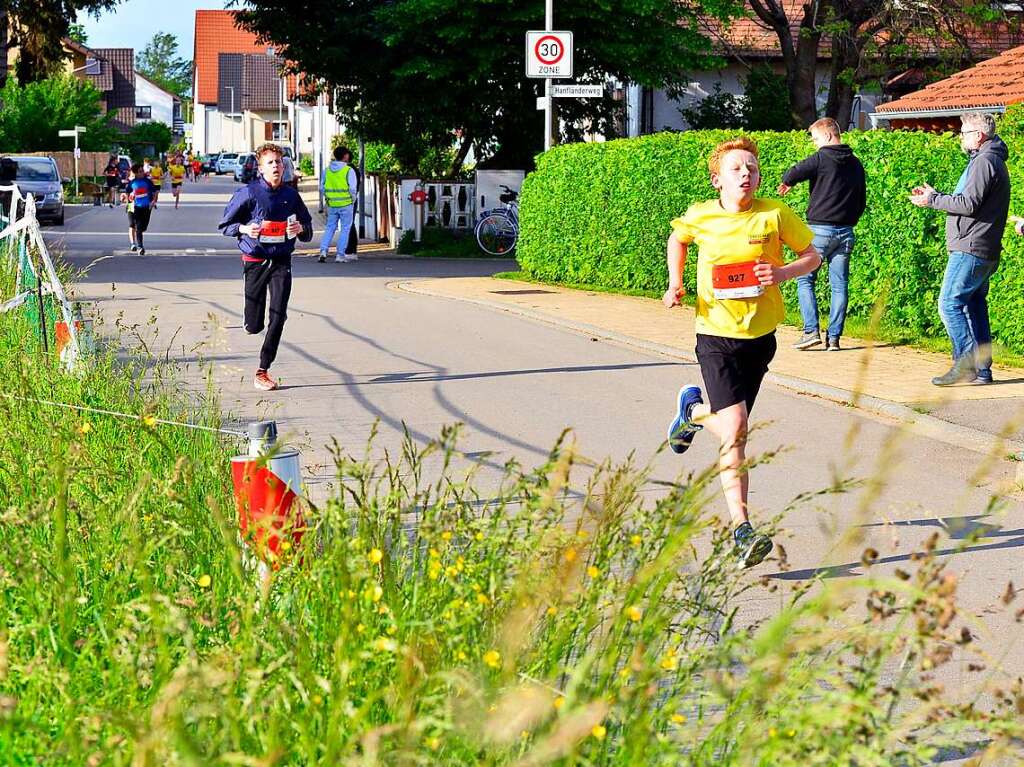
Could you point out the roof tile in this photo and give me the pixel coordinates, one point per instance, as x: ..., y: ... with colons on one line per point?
x: 997, y: 82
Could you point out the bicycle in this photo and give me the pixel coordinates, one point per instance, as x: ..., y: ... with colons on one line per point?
x: 497, y: 231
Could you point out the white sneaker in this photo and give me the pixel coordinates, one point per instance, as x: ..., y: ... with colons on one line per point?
x: 340, y: 259
x: 351, y: 257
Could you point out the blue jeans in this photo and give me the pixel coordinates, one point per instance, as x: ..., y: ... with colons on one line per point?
x: 835, y: 244
x: 339, y: 219
x: 963, y: 307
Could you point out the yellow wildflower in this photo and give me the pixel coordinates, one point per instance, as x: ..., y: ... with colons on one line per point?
x: 524, y: 734
x: 559, y: 702
x: 599, y: 731
x: 351, y: 594
x: 434, y: 554
x: 678, y: 719
x: 772, y: 732
x: 492, y: 658
x: 478, y: 537
x: 593, y: 572
x: 360, y: 628
x: 669, y: 663
x: 570, y: 555
x: 286, y: 545
x: 634, y: 613
x: 450, y: 571
x: 85, y: 428
x: 446, y: 535
x: 433, y: 743
x: 434, y: 571
x: 482, y: 599
x: 552, y: 611
x: 375, y: 556
x: 375, y: 593
x: 392, y: 630
x: 317, y: 700
x: 149, y: 420
x: 204, y: 581
x: 385, y: 644
x: 460, y: 655
x: 636, y: 540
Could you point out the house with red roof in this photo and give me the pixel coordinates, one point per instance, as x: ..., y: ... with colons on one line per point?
x: 241, y: 98
x: 990, y: 86
x: 749, y: 41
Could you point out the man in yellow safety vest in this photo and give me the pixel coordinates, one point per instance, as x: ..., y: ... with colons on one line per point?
x: 339, y: 187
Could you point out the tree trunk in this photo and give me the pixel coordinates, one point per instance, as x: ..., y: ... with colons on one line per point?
x: 800, y: 57
x: 845, y: 57
x: 460, y: 156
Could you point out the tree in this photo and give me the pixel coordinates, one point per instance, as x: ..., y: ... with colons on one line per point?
x: 443, y: 73
x: 36, y: 28
x: 160, y: 62
x: 865, y: 36
x: 764, y: 105
x: 77, y: 33
x: 149, y: 137
x: 32, y: 115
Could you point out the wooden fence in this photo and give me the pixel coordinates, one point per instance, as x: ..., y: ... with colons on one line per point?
x: 89, y: 164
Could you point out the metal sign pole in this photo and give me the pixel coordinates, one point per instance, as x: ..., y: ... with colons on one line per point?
x: 549, y: 24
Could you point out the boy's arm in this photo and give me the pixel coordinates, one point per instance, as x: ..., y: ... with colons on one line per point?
x: 804, y: 170
x: 807, y: 260
x: 676, y: 257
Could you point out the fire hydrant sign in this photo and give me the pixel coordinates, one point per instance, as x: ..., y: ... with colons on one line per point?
x: 549, y: 54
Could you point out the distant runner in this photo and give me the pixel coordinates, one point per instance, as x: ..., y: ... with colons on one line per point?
x: 177, y: 171
x: 266, y: 217
x: 113, y: 177
x: 139, y: 199
x: 156, y: 175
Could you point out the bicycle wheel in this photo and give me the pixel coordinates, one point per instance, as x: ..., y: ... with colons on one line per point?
x: 496, y: 234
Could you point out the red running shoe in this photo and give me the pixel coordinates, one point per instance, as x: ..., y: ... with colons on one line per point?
x: 263, y: 381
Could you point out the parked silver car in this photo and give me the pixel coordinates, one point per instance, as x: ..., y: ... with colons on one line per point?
x: 39, y: 177
x: 226, y: 162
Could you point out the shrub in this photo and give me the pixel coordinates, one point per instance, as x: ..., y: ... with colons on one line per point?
x: 598, y: 214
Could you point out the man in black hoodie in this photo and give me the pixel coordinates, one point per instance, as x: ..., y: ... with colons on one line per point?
x: 976, y: 214
x: 837, y: 202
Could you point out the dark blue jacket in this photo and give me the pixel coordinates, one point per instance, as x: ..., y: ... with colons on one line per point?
x: 256, y: 201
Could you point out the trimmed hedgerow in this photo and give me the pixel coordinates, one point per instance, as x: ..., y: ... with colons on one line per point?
x: 598, y: 214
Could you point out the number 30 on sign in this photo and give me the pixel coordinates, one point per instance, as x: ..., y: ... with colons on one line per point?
x: 549, y: 54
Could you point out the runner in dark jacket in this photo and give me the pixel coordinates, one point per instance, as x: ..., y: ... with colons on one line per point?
x: 266, y: 217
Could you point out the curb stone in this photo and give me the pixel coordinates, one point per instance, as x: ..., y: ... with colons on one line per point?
x: 925, y: 425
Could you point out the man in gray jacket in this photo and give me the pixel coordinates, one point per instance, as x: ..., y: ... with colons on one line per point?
x: 976, y: 214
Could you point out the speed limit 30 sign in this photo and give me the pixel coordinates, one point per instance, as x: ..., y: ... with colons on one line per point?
x: 549, y: 54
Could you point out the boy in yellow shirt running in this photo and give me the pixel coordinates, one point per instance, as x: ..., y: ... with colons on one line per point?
x: 177, y: 173
x: 739, y: 305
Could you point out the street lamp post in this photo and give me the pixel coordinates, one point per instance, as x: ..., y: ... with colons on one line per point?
x: 549, y: 23
x: 232, y: 89
x: 75, y: 132
x: 272, y: 52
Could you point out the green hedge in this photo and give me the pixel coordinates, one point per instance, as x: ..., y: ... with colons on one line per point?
x: 598, y: 214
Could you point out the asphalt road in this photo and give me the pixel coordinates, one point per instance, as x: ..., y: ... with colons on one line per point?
x: 358, y: 352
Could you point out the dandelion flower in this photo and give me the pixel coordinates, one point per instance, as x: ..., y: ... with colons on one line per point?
x: 492, y: 658
x: 669, y: 663
x: 204, y: 581
x: 446, y: 535
x: 360, y: 628
x: 433, y: 743
x: 678, y: 719
x: 772, y: 732
x: 593, y: 572
x: 286, y: 545
x: 450, y: 571
x: 149, y: 420
x: 559, y: 702
x: 599, y: 731
x: 634, y: 613
x: 524, y: 734
x: 375, y: 556
x: 460, y: 655
x: 478, y: 537
x: 482, y: 599
x: 317, y: 700
x: 551, y: 611
x: 570, y: 555
x: 85, y: 428
x: 385, y: 644
x: 636, y: 540
x: 392, y: 630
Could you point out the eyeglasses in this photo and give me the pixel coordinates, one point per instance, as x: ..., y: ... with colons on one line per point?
x: 968, y: 132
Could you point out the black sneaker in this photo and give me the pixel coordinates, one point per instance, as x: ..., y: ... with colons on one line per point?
x: 142, y: 251
x: 963, y: 371
x: 751, y: 547
x: 807, y: 340
x: 681, y: 430
x: 832, y: 345
x: 135, y: 248
x: 323, y: 258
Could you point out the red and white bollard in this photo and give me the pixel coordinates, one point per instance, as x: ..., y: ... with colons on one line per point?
x: 267, y: 483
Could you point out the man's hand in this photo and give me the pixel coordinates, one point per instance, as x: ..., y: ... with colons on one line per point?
x: 783, y: 190
x: 250, y: 230
x: 921, y: 195
x: 768, y: 274
x: 1018, y: 224
x: 294, y: 229
x: 672, y: 295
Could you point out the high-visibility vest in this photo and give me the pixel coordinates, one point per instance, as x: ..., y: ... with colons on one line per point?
x: 336, y: 187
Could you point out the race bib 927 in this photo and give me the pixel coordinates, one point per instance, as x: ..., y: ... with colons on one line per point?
x: 273, y: 231
x: 735, y: 281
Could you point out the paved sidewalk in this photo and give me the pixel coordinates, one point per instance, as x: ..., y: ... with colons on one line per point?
x: 895, y: 380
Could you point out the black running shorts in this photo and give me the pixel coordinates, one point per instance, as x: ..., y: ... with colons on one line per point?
x: 733, y: 368
x: 138, y: 219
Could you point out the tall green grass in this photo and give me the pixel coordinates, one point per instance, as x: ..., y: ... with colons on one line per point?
x: 562, y: 617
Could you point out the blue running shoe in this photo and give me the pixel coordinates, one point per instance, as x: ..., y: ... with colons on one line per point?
x: 681, y: 431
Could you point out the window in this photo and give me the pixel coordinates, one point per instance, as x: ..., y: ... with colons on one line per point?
x: 143, y: 113
x: 92, y: 65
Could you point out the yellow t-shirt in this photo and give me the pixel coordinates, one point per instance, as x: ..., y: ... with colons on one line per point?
x: 732, y: 238
x: 177, y: 173
x: 156, y: 175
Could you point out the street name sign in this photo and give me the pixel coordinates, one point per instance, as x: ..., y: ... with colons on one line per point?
x: 548, y: 54
x: 67, y: 133
x: 577, y: 91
